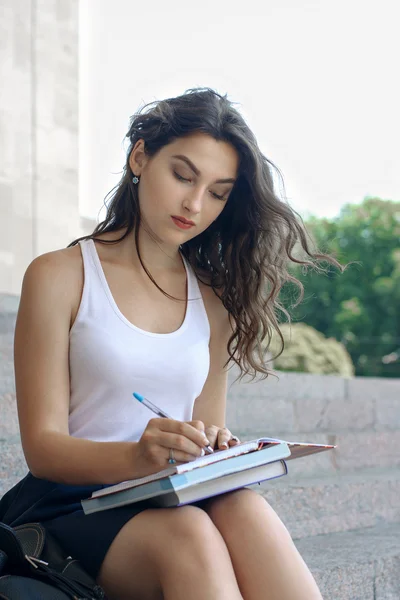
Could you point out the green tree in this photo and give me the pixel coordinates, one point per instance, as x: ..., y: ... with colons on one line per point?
x: 359, y: 307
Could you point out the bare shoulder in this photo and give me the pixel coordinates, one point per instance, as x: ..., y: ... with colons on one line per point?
x: 59, y: 265
x: 57, y: 275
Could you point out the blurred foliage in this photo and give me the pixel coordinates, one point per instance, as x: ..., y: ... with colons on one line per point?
x: 359, y: 307
x: 309, y: 351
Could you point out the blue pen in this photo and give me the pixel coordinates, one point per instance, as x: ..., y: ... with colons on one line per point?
x: 159, y: 412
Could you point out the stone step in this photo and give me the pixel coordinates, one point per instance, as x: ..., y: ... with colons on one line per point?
x: 355, y: 450
x: 299, y: 403
x: 307, y: 505
x: 361, y: 564
x: 7, y: 375
x: 13, y: 465
x: 332, y: 503
x: 304, y: 402
x: 355, y: 565
x: 7, y: 322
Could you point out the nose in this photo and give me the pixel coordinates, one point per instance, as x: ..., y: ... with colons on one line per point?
x: 194, y: 200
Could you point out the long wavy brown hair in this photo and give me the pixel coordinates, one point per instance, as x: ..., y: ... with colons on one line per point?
x: 245, y: 253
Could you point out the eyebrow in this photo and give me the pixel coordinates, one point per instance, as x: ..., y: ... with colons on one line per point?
x: 196, y: 170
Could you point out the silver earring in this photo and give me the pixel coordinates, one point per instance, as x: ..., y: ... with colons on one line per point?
x: 135, y: 179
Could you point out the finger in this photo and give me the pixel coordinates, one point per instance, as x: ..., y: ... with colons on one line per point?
x: 234, y: 441
x: 178, y: 455
x: 200, y: 426
x: 224, y: 435
x: 197, y: 425
x: 187, y: 430
x: 180, y: 443
x: 212, y: 434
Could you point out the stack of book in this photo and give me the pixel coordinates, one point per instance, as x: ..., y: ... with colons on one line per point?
x: 245, y: 464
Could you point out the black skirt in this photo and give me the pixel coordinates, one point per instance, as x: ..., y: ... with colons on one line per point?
x: 58, y: 507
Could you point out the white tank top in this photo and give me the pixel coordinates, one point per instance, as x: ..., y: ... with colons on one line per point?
x: 110, y: 358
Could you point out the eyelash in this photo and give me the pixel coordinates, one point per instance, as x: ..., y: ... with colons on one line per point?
x: 180, y: 178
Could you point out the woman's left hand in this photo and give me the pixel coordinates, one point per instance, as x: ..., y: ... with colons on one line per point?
x: 220, y: 438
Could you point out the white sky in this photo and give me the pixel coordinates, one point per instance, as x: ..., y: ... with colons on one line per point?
x: 317, y: 81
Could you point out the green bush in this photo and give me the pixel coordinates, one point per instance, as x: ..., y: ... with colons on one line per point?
x: 309, y: 351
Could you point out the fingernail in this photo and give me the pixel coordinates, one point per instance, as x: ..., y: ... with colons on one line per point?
x: 224, y: 444
x: 202, y: 452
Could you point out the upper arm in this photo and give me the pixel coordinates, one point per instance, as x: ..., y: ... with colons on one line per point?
x: 41, y: 345
x: 210, y: 406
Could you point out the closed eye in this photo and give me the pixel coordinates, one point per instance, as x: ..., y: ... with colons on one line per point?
x: 183, y: 179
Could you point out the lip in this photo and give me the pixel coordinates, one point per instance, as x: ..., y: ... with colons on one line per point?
x: 183, y: 219
x: 181, y: 225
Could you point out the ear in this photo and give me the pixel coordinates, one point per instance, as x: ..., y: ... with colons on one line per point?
x: 138, y: 158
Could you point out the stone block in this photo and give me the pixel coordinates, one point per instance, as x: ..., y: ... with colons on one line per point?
x: 387, y: 578
x: 8, y: 483
x: 340, y: 502
x: 355, y: 565
x: 354, y: 451
x: 13, y: 462
x: 383, y: 392
x: 388, y: 412
x: 367, y: 449
x: 350, y: 582
x: 293, y: 386
x: 338, y: 414
x: 7, y: 328
x: 9, y: 427
x: 7, y: 384
x: 304, y: 402
x: 247, y: 410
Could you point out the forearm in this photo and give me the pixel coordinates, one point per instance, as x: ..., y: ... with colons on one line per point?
x: 64, y: 459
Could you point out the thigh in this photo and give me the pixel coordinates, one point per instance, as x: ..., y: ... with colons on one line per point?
x: 127, y: 571
x: 154, y: 538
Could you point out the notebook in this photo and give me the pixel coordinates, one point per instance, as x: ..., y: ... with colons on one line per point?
x: 297, y: 449
x: 196, y: 484
x: 224, y: 484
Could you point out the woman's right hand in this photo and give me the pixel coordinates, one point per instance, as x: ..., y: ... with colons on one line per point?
x: 186, y: 438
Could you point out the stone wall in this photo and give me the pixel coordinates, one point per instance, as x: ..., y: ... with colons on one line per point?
x: 39, y: 204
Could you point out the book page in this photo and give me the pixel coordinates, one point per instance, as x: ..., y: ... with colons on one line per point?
x: 266, y: 441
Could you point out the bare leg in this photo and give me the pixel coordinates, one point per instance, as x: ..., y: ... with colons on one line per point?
x: 169, y: 554
x: 266, y: 561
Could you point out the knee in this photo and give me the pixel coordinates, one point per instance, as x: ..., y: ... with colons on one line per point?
x: 242, y: 508
x: 185, y: 530
x: 190, y: 526
x: 236, y: 504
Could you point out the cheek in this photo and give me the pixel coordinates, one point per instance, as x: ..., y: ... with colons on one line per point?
x: 155, y: 196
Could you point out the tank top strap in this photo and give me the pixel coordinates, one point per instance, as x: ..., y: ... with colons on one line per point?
x: 198, y: 313
x: 92, y: 292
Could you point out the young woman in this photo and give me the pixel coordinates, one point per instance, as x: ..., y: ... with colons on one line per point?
x: 146, y: 304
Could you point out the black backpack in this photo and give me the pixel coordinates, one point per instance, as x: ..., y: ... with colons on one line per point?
x: 34, y: 567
